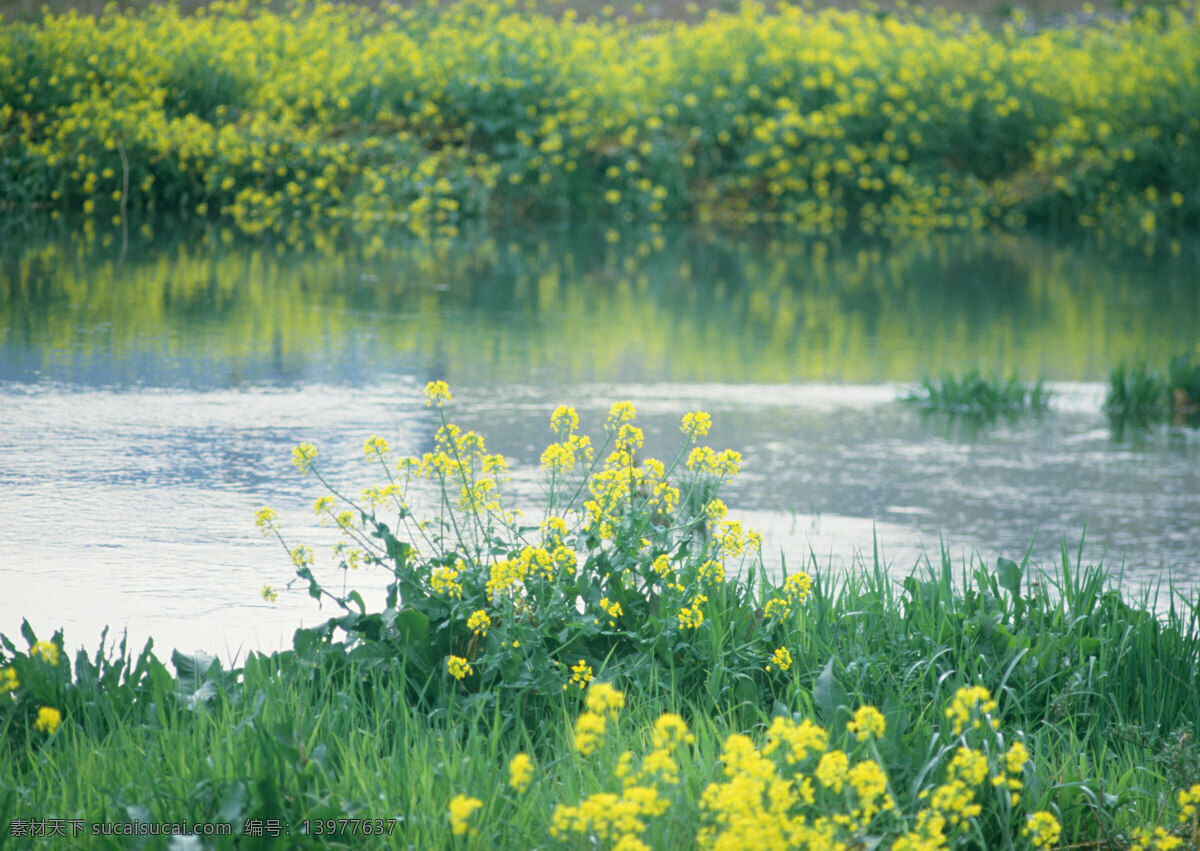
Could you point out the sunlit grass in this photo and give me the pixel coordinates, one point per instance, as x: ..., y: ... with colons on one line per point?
x: 1099, y: 692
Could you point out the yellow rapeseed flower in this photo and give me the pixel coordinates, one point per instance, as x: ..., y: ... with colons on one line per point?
x: 670, y: 730
x: 520, y: 771
x: 968, y: 700
x: 265, y: 519
x: 376, y: 447
x: 444, y: 580
x: 460, y: 813
x: 1159, y: 840
x: 304, y: 456
x: 1016, y: 758
x: 581, y: 674
x: 603, y: 699
x: 10, y: 682
x: 867, y: 722
x: 831, y: 770
x: 564, y: 420
x: 781, y: 659
x: 459, y: 667
x: 620, y: 413
x: 1188, y: 800
x: 479, y: 622
x: 1043, y: 829
x: 589, y: 732
x: 692, y: 616
x: 48, y: 719
x: 797, y: 587
x: 437, y: 393
x: 46, y: 651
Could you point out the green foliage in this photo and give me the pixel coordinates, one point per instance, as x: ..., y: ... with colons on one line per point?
x: 634, y: 570
x: 98, y: 694
x: 1140, y: 395
x: 303, y: 119
x: 980, y: 396
x: 326, y: 731
x: 406, y: 714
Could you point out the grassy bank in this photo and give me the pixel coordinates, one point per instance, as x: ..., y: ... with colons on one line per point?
x: 322, y: 119
x: 618, y: 672
x: 1099, y: 698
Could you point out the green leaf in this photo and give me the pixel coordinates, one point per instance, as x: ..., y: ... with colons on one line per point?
x: 828, y: 693
x: 233, y: 803
x: 1008, y: 572
x: 413, y: 625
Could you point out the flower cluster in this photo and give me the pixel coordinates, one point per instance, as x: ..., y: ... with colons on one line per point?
x: 794, y: 592
x: 460, y: 813
x: 479, y: 622
x: 781, y: 659
x: 48, y: 719
x: 520, y: 771
x: 459, y: 667
x: 630, y: 551
x: 969, y: 703
x: 45, y: 651
x: 622, y: 818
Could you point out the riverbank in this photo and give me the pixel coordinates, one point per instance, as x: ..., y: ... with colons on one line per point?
x: 330, y: 739
x: 617, y: 669
x: 306, y: 124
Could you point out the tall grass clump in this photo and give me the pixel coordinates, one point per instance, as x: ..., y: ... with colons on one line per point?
x: 977, y: 395
x: 617, y: 671
x: 1139, y: 394
x: 304, y: 121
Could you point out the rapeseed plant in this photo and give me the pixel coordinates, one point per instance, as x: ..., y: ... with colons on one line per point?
x: 609, y: 590
x: 307, y: 121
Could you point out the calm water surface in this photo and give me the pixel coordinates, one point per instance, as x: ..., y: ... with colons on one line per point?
x: 149, y: 402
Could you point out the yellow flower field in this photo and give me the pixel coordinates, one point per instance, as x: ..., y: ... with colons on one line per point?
x: 324, y: 119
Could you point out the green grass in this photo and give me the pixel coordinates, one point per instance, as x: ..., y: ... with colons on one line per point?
x: 977, y: 395
x: 1138, y: 394
x: 496, y: 635
x: 1103, y: 691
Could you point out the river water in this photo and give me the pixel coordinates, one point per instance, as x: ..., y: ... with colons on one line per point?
x: 150, y: 398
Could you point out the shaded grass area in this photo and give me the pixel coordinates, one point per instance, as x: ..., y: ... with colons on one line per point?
x: 1102, y: 692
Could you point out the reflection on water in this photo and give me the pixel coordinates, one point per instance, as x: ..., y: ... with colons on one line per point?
x: 148, y: 405
x: 564, y: 310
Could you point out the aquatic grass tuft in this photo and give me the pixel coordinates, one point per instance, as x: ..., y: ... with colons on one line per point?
x: 977, y: 395
x: 1140, y: 395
